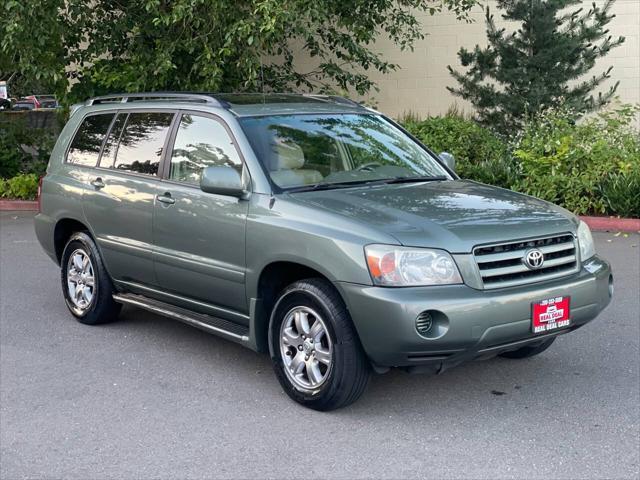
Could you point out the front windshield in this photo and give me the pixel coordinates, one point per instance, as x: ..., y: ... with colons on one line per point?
x: 334, y: 149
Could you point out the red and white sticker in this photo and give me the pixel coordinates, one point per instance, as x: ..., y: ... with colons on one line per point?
x: 550, y: 314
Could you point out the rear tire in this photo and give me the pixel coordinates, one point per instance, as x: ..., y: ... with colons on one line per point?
x: 86, y: 286
x: 314, y: 347
x: 529, y: 350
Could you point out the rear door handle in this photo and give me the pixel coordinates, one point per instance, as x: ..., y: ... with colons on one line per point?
x: 166, y: 198
x: 98, y: 183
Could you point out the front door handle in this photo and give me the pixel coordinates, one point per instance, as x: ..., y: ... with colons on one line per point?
x: 98, y: 183
x: 166, y: 198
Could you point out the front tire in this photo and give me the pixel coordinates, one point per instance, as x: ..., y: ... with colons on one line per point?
x: 86, y: 286
x: 314, y: 348
x: 529, y: 350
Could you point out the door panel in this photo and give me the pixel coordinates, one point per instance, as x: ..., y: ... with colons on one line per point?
x: 121, y: 216
x: 200, y: 238
x: 200, y: 246
x: 120, y: 195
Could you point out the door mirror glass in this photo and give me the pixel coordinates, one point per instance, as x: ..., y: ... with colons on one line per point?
x: 449, y: 160
x: 222, y: 181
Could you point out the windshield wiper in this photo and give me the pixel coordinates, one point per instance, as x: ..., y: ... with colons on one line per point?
x: 330, y: 186
x: 376, y: 181
x: 438, y: 178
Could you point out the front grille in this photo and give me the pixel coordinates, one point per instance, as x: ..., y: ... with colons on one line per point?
x: 502, y: 265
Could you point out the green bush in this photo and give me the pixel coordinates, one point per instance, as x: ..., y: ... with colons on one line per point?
x: 621, y: 193
x: 480, y: 154
x: 11, y: 156
x: 21, y: 187
x: 589, y: 166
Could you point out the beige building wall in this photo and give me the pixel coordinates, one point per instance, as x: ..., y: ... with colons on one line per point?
x: 419, y: 85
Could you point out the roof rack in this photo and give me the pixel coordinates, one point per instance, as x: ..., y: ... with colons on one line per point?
x: 334, y: 99
x: 151, y: 96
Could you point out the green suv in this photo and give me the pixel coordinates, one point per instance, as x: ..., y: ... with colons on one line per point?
x: 309, y: 227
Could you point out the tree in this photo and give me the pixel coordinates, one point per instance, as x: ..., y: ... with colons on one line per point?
x: 540, y: 65
x: 209, y: 45
x: 19, y: 85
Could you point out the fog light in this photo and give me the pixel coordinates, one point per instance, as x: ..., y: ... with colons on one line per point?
x: 432, y: 324
x: 424, y: 322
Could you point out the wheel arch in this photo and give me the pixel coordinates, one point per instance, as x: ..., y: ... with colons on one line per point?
x: 64, y: 228
x: 273, y: 278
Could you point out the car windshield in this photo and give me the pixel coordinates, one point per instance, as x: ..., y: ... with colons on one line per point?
x: 306, y: 151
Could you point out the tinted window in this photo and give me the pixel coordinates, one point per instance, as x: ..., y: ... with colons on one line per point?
x: 142, y: 141
x: 201, y: 142
x: 111, y: 145
x: 85, y: 147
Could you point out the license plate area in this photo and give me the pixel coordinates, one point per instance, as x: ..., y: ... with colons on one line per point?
x: 550, y: 314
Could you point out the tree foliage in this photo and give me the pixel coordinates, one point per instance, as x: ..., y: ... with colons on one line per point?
x: 210, y: 45
x: 540, y: 65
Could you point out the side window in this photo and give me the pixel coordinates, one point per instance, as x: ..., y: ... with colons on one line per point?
x: 85, y: 147
x: 142, y: 141
x: 201, y: 142
x: 111, y: 145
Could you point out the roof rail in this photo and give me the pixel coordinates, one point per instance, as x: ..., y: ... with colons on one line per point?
x: 335, y: 99
x: 150, y: 96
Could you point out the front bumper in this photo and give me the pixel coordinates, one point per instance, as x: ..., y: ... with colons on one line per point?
x: 471, y: 323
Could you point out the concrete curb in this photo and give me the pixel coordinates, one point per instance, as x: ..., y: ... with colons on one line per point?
x: 606, y: 224
x: 613, y: 224
x: 18, y: 205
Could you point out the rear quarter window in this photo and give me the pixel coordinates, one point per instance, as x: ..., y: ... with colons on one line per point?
x: 85, y: 147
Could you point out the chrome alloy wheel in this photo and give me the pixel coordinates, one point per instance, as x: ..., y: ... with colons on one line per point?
x: 306, y: 348
x: 80, y: 280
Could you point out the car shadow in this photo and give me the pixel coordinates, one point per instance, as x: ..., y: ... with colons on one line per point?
x: 478, y: 384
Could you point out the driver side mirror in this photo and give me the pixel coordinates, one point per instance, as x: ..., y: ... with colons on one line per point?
x: 223, y: 181
x: 449, y: 160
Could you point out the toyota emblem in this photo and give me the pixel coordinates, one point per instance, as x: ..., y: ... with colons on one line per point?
x: 533, y: 259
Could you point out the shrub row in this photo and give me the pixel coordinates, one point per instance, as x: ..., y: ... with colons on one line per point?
x: 591, y: 166
x: 21, y: 187
x: 26, y: 142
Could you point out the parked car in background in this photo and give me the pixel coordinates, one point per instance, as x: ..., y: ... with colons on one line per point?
x: 312, y: 228
x: 32, y: 102
x: 48, y: 101
x: 24, y: 104
x: 34, y: 99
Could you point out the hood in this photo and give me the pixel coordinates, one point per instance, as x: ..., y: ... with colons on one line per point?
x: 452, y: 215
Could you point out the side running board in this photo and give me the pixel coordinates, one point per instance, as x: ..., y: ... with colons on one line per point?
x: 208, y: 323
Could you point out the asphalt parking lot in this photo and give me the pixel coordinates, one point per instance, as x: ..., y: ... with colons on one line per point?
x: 147, y: 397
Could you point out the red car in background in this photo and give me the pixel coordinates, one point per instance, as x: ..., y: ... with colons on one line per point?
x: 26, y: 103
x: 33, y: 99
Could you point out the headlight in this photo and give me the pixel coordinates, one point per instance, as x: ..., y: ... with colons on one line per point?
x: 585, y: 240
x: 394, y: 266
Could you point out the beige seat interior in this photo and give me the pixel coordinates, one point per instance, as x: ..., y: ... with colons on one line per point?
x: 287, y: 164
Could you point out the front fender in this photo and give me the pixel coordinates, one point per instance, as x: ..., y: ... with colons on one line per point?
x: 283, y: 231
